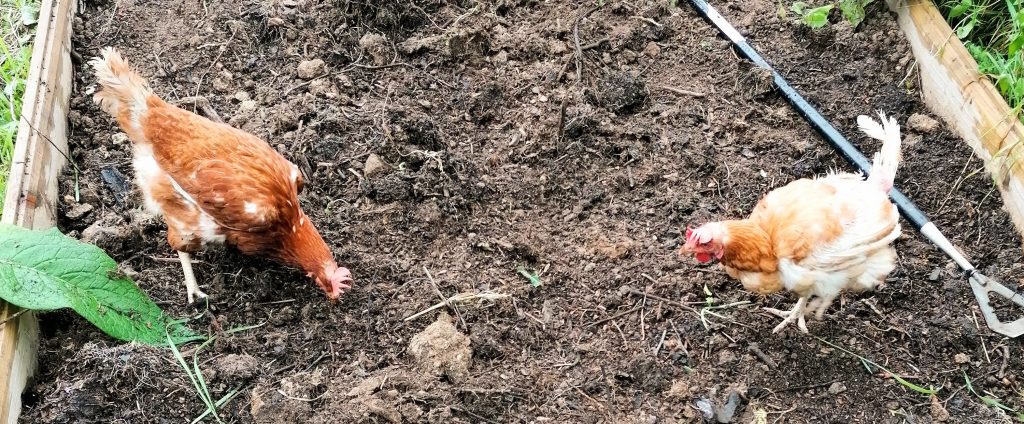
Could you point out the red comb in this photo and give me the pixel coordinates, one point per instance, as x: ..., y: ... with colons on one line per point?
x: 689, y: 232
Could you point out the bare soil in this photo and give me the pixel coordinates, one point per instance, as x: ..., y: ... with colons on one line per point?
x: 464, y: 139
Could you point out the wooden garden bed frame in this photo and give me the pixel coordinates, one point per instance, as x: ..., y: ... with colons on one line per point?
x: 31, y: 198
x: 950, y: 83
x: 965, y: 99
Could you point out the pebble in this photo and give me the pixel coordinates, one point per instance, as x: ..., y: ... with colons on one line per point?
x: 373, y: 165
x: 922, y: 123
x: 934, y: 276
x: 836, y: 388
x: 726, y: 357
x: 119, y: 138
x: 309, y: 69
x: 79, y: 211
x: 652, y: 49
x: 961, y: 358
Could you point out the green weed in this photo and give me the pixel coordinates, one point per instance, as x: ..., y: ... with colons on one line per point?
x: 817, y: 17
x: 993, y: 33
x: 17, y: 22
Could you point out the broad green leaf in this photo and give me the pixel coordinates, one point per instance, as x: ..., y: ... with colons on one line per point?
x: 29, y: 14
x: 818, y: 17
x: 46, y: 270
x: 965, y: 29
x: 1015, y: 45
x: 853, y: 10
x: 960, y: 9
x: 798, y: 8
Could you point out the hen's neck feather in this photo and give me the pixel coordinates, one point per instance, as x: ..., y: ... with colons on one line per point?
x: 748, y: 247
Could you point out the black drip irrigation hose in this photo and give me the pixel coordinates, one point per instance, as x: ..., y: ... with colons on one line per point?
x: 909, y: 210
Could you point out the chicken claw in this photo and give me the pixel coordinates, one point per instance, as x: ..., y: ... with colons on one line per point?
x: 190, y: 279
x: 795, y: 314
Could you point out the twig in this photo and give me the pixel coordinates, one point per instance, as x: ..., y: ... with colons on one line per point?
x: 807, y: 387
x: 636, y: 292
x: 648, y: 20
x: 1006, y: 358
x: 461, y: 297
x: 472, y: 415
x: 643, y: 327
x: 444, y: 300
x: 17, y: 314
x: 584, y: 394
x: 616, y: 316
x: 682, y: 92
x: 660, y: 342
x: 199, y: 85
x: 200, y: 103
x: 576, y: 38
x: 756, y: 350
x: 561, y: 119
x: 302, y: 399
x: 679, y: 337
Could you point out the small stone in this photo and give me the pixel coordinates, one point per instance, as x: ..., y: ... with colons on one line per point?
x: 922, y: 123
x: 726, y: 357
x: 242, y: 96
x: 79, y: 211
x: 836, y: 388
x: 426, y: 104
x: 373, y: 165
x: 309, y: 69
x: 652, y: 49
x: 934, y: 276
x: 119, y: 138
x: 961, y: 358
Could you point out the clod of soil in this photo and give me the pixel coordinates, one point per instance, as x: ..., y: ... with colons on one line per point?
x: 289, y: 402
x: 621, y: 92
x: 922, y: 123
x: 441, y: 350
x: 309, y: 69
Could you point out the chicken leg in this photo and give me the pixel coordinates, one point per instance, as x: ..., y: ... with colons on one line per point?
x: 190, y: 279
x: 795, y: 314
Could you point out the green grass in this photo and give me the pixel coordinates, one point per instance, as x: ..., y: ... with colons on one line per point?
x: 17, y: 25
x: 993, y: 32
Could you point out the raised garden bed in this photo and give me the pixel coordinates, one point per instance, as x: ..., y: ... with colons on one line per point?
x: 462, y: 105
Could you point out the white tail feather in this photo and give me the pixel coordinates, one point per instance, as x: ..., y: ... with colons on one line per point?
x: 883, y: 167
x: 120, y: 88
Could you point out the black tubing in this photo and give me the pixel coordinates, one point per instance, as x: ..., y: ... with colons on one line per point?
x: 909, y: 210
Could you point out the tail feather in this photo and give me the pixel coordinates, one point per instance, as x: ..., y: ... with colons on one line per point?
x: 883, y: 167
x: 122, y: 92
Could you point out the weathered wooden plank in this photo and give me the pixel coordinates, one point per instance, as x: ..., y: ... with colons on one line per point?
x: 965, y: 99
x: 30, y: 200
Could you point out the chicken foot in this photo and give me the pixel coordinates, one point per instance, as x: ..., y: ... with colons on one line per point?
x: 795, y: 314
x: 190, y: 279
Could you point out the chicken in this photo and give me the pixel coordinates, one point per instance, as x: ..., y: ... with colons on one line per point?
x: 813, y: 237
x: 213, y: 183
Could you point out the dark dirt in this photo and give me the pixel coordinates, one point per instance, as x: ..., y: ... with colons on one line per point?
x: 456, y: 105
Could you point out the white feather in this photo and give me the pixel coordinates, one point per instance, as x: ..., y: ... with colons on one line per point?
x: 883, y: 167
